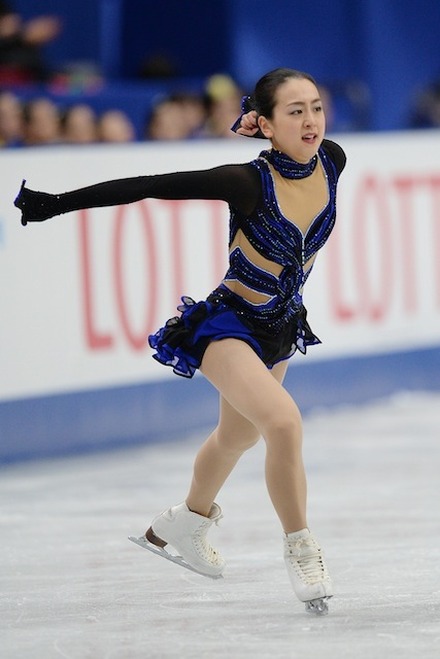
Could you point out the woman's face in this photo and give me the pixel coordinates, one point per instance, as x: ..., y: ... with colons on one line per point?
x: 297, y: 125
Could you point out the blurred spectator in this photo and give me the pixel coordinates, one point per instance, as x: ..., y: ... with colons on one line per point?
x: 347, y: 105
x: 167, y: 121
x: 21, y: 42
x: 11, y: 120
x: 194, y: 112
x: 115, y: 126
x: 224, y: 106
x: 79, y: 125
x: 42, y: 124
x: 426, y: 111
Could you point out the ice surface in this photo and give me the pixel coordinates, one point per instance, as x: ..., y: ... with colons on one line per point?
x: 73, y: 586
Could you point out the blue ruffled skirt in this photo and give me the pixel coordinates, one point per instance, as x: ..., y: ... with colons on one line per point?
x: 182, y: 342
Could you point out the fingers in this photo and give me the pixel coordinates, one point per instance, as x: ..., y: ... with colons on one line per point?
x: 246, y: 124
x: 248, y: 132
x: 18, y: 204
x: 249, y: 120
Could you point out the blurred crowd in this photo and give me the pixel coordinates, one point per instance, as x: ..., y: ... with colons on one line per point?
x: 426, y: 109
x: 42, y: 119
x: 179, y: 116
x: 41, y: 122
x: 21, y: 45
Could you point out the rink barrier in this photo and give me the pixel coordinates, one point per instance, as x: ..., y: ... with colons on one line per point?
x: 118, y: 417
x: 81, y: 294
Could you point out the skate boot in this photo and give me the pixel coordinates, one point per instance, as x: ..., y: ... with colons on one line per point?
x: 186, y: 532
x: 307, y: 571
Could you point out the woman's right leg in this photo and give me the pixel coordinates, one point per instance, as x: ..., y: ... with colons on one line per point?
x: 218, y: 456
x: 253, y: 403
x: 220, y: 453
x: 245, y: 382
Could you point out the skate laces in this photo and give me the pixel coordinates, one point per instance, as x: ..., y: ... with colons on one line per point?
x: 306, y: 557
x: 201, y: 544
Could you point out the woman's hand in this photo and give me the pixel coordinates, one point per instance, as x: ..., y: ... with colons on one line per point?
x: 35, y: 206
x: 248, y: 124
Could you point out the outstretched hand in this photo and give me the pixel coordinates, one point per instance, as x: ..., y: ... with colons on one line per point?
x: 35, y: 206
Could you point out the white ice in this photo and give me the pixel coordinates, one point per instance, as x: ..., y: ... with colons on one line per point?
x: 73, y: 586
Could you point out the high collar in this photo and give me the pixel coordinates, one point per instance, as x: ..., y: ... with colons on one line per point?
x: 288, y: 167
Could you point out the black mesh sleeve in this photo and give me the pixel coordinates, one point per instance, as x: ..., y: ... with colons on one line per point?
x: 336, y: 153
x: 238, y: 185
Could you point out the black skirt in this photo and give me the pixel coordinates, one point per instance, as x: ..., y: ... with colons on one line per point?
x: 182, y: 342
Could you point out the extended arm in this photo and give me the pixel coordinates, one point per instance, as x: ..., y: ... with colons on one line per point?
x: 238, y: 185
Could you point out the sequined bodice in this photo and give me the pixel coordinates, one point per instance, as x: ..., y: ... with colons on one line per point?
x: 279, y: 240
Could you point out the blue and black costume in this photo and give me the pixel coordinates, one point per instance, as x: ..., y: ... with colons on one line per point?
x: 274, y: 328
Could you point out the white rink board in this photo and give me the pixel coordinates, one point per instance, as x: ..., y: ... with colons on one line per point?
x: 80, y: 293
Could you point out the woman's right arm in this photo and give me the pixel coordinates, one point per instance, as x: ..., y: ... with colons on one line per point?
x: 236, y: 184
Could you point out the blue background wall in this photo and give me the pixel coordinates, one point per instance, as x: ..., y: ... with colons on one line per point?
x: 391, y: 45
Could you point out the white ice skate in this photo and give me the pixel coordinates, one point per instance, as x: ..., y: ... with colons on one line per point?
x: 186, y: 532
x: 307, y: 571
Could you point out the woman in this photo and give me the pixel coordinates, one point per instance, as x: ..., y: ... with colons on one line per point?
x: 282, y: 210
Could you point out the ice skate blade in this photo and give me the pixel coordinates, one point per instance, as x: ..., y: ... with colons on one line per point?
x: 143, y: 542
x: 318, y: 607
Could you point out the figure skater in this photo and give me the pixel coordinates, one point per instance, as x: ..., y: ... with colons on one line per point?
x: 282, y: 210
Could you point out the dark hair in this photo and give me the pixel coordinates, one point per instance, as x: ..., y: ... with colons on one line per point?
x: 263, y: 98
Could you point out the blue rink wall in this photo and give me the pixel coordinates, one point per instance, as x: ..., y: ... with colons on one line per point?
x: 119, y: 417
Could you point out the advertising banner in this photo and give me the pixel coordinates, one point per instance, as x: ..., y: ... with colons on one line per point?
x: 80, y: 293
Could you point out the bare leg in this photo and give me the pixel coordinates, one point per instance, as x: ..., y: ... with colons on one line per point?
x: 218, y: 456
x: 220, y: 453
x: 255, y: 403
